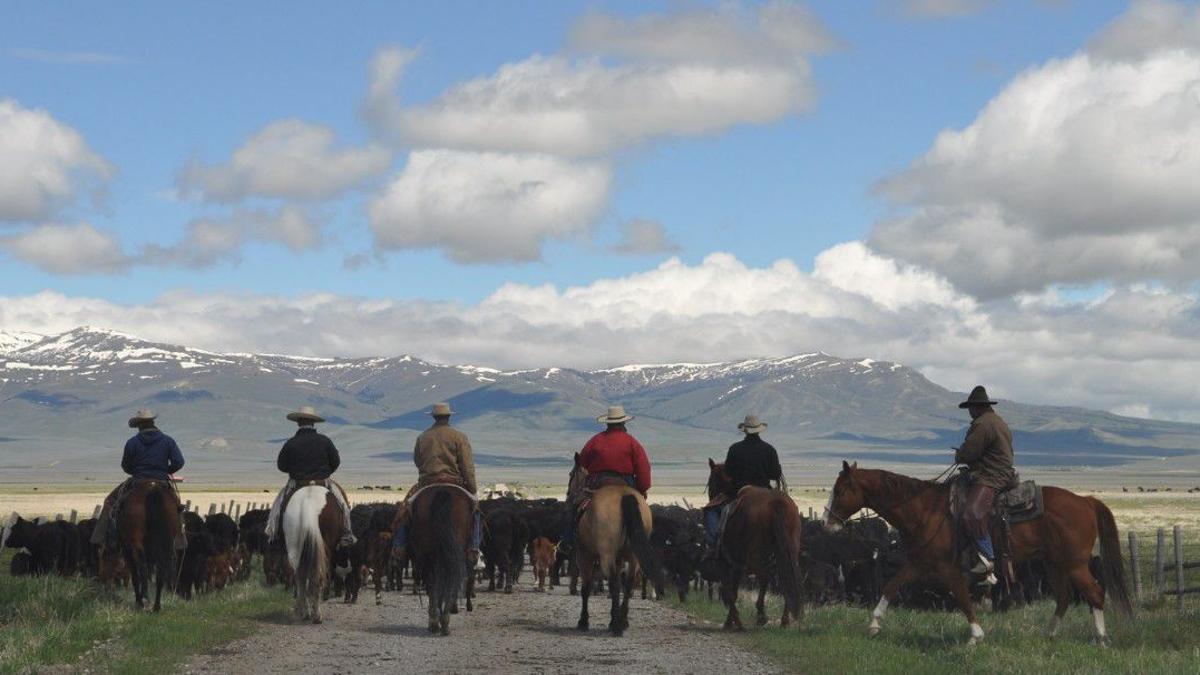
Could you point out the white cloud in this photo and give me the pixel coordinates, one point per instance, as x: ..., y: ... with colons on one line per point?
x: 1132, y: 349
x: 1081, y: 170
x: 289, y: 159
x: 1149, y: 26
x: 488, y: 207
x: 44, y: 164
x: 641, y: 236
x: 211, y: 240
x: 68, y: 249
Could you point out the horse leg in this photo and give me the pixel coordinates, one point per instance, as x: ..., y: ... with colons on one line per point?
x: 1081, y: 577
x: 469, y: 592
x: 954, y: 582
x: 614, y: 594
x: 584, y: 593
x: 629, y: 579
x: 729, y: 595
x: 1061, y: 585
x: 890, y: 590
x: 761, y: 604
x: 435, y: 604
x: 133, y: 561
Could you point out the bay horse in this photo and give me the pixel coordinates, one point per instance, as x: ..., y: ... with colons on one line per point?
x: 762, y: 535
x: 613, y: 537
x: 312, y: 526
x: 1062, y: 538
x: 146, y: 529
x: 442, y: 518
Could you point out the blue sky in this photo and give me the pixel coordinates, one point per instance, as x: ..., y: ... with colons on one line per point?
x: 996, y: 191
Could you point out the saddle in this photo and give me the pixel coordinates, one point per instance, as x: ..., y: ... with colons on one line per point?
x: 597, y: 481
x: 1015, y: 505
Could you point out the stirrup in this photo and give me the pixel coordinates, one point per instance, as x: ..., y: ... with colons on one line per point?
x: 983, y: 566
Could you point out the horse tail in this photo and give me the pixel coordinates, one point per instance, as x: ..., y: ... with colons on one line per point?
x: 312, y: 563
x: 1111, y: 563
x: 159, y: 543
x: 787, y: 557
x: 449, y: 565
x: 639, y: 541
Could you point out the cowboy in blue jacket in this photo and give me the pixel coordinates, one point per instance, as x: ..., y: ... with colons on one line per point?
x: 149, y: 455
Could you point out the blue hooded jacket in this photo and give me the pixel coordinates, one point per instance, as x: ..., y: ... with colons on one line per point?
x: 151, y: 454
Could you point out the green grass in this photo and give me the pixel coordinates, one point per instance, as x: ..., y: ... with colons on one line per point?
x: 834, y: 640
x: 73, y: 623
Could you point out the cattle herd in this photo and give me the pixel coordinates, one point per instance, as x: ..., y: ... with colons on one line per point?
x: 849, y: 566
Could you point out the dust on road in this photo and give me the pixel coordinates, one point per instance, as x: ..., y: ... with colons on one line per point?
x: 526, y: 632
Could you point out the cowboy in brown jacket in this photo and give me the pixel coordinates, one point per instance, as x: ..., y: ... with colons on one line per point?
x: 442, y: 455
x: 987, y: 452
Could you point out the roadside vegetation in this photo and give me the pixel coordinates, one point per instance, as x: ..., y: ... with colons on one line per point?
x: 72, y: 623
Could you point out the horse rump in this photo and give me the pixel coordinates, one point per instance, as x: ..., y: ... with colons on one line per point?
x: 639, y: 540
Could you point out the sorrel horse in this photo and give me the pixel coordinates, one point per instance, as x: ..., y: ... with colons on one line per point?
x: 1063, y: 538
x: 442, y: 516
x: 613, y: 538
x: 312, y: 526
x: 762, y: 535
x: 146, y: 528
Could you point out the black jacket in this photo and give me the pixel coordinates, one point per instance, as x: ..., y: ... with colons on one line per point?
x: 308, y: 456
x: 151, y: 454
x: 752, y: 461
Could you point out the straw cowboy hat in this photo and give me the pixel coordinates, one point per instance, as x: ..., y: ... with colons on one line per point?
x: 616, y: 415
x: 441, y: 410
x: 306, y: 413
x: 752, y: 425
x: 141, y: 417
x: 979, y: 396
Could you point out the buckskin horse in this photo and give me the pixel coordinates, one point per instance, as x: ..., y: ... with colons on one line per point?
x: 1062, y: 537
x: 442, y: 516
x: 312, y: 526
x: 763, y: 534
x: 146, y: 529
x: 613, y: 538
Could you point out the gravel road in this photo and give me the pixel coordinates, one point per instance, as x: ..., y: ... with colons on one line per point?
x: 526, y: 632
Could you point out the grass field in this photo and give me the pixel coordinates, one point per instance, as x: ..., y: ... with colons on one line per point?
x: 51, y: 623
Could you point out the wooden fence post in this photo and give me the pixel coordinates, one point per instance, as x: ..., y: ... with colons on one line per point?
x: 187, y: 506
x: 74, y: 516
x: 212, y: 508
x: 96, y: 511
x: 1178, y: 533
x: 1159, y: 561
x: 58, y: 517
x: 230, y: 511
x: 237, y: 511
x: 1135, y: 565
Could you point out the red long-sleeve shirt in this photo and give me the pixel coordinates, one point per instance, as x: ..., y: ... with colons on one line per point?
x: 615, y: 450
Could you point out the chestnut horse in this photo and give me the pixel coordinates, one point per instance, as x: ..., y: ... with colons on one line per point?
x: 762, y: 535
x: 146, y: 529
x: 1062, y: 538
x: 312, y: 526
x: 442, y: 517
x: 613, y: 538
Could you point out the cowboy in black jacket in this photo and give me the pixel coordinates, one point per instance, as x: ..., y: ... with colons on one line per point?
x: 309, y: 456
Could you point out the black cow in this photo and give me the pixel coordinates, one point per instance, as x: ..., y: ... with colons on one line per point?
x: 505, y: 537
x: 52, y: 546
x: 89, y: 563
x: 223, y: 530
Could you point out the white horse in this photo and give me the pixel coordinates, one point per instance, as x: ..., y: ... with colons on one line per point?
x: 310, y: 523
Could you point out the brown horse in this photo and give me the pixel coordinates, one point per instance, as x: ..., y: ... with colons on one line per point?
x: 1063, y: 538
x: 146, y: 528
x: 442, y: 516
x: 762, y: 535
x: 312, y: 526
x: 613, y: 539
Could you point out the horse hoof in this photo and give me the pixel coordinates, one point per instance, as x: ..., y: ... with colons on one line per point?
x: 974, y: 641
x: 760, y: 621
x: 434, y: 627
x: 1103, y: 643
x: 582, y: 626
x: 874, y: 630
x: 316, y: 620
x: 508, y: 590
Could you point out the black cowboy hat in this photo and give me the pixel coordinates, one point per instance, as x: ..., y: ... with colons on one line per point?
x: 979, y: 396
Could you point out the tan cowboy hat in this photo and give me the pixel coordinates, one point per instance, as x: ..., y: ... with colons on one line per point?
x: 616, y: 415
x: 979, y: 396
x: 141, y: 417
x: 306, y: 413
x: 752, y: 425
x: 441, y: 410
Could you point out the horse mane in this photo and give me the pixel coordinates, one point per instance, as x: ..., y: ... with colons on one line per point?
x: 718, y: 471
x: 901, y: 486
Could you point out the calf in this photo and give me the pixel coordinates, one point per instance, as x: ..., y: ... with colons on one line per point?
x: 21, y: 565
x: 543, y: 559
x: 219, y: 570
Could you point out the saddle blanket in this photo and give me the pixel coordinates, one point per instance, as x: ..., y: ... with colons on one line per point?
x: 412, y: 499
x: 1020, y: 504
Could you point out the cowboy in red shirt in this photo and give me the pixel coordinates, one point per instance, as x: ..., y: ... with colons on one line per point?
x: 612, y: 453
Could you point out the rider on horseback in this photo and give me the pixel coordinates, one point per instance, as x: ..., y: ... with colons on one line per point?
x: 988, y: 454
x: 750, y: 461
x: 149, y: 455
x: 443, y: 455
x: 611, y: 454
x: 310, y: 458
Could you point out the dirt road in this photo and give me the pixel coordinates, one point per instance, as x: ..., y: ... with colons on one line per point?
x: 526, y: 632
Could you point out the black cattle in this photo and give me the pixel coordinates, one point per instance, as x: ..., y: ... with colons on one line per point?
x: 21, y: 564
x: 53, y: 546
x: 89, y: 561
x: 505, y: 537
x: 678, y: 537
x: 223, y: 530
x: 193, y: 567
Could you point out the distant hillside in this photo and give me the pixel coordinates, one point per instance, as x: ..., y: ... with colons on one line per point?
x: 64, y: 400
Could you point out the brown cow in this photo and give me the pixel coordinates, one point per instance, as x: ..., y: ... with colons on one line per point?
x: 543, y: 556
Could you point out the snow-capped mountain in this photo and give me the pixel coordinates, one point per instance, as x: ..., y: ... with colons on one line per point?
x: 61, y: 394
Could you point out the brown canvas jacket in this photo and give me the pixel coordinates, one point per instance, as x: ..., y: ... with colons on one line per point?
x: 987, y: 451
x: 443, y: 452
